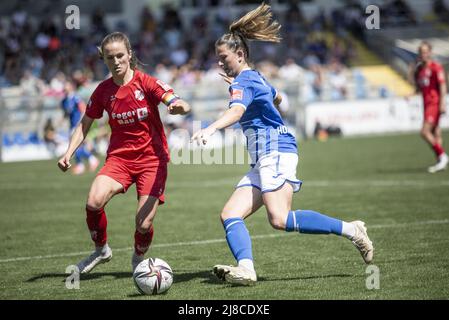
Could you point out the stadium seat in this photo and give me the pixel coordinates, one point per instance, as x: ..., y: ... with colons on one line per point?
x: 19, y: 139
x: 6, y: 140
x: 33, y: 138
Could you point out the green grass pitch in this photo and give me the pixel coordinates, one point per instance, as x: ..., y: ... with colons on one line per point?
x: 381, y: 180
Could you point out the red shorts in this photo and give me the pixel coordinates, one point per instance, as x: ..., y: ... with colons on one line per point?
x: 432, y: 114
x: 149, y: 177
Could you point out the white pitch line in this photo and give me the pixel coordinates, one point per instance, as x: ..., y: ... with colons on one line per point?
x: 320, y: 183
x: 202, y: 242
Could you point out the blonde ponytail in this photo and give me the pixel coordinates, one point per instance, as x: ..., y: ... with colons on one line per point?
x: 255, y: 25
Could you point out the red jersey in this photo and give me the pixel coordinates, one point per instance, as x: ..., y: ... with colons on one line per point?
x: 137, y: 133
x: 428, y: 78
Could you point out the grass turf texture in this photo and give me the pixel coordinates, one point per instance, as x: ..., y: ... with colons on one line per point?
x: 381, y: 180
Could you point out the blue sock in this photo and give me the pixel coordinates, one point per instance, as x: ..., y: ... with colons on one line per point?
x: 307, y: 221
x: 238, y: 238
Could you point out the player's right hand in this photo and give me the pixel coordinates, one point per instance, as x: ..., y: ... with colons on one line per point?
x: 64, y: 163
x: 226, y: 78
x: 203, y: 135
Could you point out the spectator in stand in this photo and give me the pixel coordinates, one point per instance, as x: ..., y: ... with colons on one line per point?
x: 440, y: 9
x: 50, y: 136
x: 337, y: 80
x: 291, y: 71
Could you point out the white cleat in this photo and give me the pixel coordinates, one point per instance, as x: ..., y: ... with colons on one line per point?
x: 362, y: 242
x: 96, y: 258
x: 235, y: 275
x: 135, y: 260
x: 442, y: 163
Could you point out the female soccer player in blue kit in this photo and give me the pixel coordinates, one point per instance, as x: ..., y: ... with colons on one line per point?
x: 272, y: 178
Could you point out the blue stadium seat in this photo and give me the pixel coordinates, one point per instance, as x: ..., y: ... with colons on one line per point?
x: 33, y: 138
x: 19, y: 139
x: 6, y: 140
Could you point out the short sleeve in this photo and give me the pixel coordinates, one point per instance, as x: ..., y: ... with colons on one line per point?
x: 95, y: 106
x: 240, y: 95
x: 440, y: 74
x: 158, y: 90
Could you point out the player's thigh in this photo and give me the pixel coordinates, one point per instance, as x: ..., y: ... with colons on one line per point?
x: 146, y: 211
x: 103, y: 188
x: 242, y: 203
x: 278, y: 203
x: 150, y: 180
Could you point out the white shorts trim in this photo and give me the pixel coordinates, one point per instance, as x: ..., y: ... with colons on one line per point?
x: 272, y: 171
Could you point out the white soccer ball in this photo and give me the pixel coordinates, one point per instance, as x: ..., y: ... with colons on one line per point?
x: 153, y: 276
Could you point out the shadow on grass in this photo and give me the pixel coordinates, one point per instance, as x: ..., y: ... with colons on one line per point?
x: 324, y: 276
x: 206, y: 275
x: 90, y: 276
x: 209, y: 278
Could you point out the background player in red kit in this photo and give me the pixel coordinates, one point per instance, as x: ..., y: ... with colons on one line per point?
x: 137, y: 152
x: 430, y: 80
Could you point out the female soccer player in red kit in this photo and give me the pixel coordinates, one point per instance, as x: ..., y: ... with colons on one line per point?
x: 430, y: 80
x: 137, y: 152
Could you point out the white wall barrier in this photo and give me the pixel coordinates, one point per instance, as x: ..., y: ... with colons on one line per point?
x: 377, y: 116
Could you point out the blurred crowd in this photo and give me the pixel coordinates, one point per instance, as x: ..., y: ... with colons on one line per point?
x: 39, y: 56
x: 38, y: 53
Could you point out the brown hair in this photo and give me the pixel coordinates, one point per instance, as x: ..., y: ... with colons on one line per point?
x: 255, y: 25
x: 425, y: 43
x: 119, y: 37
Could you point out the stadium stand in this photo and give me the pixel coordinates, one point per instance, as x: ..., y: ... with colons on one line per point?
x: 326, y: 53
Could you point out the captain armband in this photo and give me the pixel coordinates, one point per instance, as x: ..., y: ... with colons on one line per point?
x: 169, y: 97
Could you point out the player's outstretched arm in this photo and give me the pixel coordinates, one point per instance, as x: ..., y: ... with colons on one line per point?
x: 230, y: 117
x: 179, y: 106
x: 76, y: 139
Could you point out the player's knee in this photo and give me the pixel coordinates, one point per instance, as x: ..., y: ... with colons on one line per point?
x: 225, y: 214
x: 277, y: 222
x: 95, y: 203
x: 424, y: 132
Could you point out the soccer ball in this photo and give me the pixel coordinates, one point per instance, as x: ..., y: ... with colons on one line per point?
x: 153, y: 276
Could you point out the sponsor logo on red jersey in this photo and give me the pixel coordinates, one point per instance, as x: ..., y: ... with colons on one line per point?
x: 142, y: 113
x: 139, y: 95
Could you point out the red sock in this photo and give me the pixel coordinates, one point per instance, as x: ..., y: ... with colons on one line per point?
x: 97, y: 224
x: 438, y: 149
x: 142, y: 241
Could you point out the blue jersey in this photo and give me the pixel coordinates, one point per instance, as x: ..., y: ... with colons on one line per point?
x: 261, y: 122
x: 72, y: 108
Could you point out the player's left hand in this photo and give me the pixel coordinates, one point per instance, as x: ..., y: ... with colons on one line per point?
x: 202, y: 136
x: 178, y: 107
x: 442, y: 109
